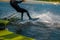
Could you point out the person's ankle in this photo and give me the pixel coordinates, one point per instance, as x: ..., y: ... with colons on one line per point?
x: 21, y: 19
x: 30, y: 18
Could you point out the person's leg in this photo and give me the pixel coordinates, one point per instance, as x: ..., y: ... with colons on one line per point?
x: 28, y: 15
x: 22, y: 16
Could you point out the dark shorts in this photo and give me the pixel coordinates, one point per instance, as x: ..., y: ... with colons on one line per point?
x: 21, y: 10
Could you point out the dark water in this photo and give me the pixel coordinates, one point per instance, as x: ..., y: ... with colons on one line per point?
x: 47, y: 27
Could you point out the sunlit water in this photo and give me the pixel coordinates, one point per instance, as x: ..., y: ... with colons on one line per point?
x: 47, y: 27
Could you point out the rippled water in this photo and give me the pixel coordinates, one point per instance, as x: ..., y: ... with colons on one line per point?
x: 47, y: 27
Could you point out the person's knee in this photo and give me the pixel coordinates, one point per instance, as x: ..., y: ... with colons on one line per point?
x: 26, y: 11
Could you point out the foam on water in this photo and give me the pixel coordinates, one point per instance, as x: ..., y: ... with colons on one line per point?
x: 45, y: 28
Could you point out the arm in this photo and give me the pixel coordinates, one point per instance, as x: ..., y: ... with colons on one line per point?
x: 19, y: 1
